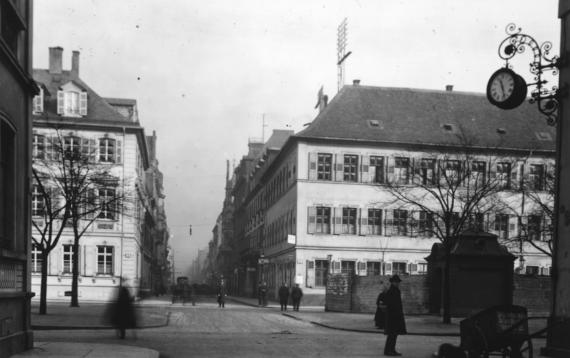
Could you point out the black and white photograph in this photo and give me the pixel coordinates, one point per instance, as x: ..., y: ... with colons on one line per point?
x: 318, y: 178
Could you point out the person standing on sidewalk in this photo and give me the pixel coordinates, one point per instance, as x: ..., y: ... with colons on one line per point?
x: 296, y: 294
x: 222, y: 293
x: 395, y: 323
x: 283, y: 296
x: 123, y: 311
x: 263, y: 294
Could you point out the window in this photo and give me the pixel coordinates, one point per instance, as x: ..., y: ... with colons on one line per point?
x: 536, y: 177
x: 373, y: 268
x: 36, y: 258
x: 38, y: 102
x: 452, y: 172
x: 399, y: 268
x: 349, y: 221
x: 39, y: 146
x: 477, y: 177
x: 477, y: 222
x: 11, y: 27
x: 107, y: 150
x: 401, y: 168
x: 375, y: 221
x: 324, y: 166
x: 7, y: 185
x: 348, y: 267
x: 400, y: 225
x: 377, y: 169
x: 532, y: 270
x: 321, y: 272
x: 71, y: 103
x: 104, y: 260
x: 426, y: 172
x: 425, y: 224
x: 502, y: 225
x: 351, y: 168
x: 534, y: 227
x: 38, y: 204
x: 504, y: 175
x: 107, y: 202
x: 422, y: 268
x: 323, y: 220
x: 72, y: 144
x: 67, y: 258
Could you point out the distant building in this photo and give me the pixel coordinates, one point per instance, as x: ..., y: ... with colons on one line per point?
x: 131, y: 243
x: 17, y: 90
x: 319, y: 204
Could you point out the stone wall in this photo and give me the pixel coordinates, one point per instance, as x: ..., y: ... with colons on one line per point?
x: 359, y: 293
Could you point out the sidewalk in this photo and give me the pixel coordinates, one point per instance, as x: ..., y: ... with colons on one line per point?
x: 90, y: 315
x: 420, y: 325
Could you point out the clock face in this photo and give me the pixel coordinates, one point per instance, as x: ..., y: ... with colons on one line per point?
x: 502, y: 86
x: 506, y: 89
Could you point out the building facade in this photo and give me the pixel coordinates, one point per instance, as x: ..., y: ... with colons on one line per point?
x: 325, y: 203
x: 122, y: 246
x: 18, y: 88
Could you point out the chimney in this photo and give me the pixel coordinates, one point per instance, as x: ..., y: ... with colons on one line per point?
x: 356, y: 82
x: 449, y: 88
x: 75, y: 64
x: 55, y: 64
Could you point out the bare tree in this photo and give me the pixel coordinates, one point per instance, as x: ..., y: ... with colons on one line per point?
x: 88, y: 189
x: 451, y: 192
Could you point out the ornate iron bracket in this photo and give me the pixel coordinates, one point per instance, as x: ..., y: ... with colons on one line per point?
x: 546, y: 98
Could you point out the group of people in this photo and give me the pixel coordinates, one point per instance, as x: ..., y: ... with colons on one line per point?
x: 296, y: 294
x: 390, y: 315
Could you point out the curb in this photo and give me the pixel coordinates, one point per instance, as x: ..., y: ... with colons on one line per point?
x: 63, y: 327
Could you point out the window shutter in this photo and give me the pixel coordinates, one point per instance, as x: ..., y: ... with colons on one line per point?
x: 413, y: 223
x: 514, y: 175
x: 313, y: 166
x: 337, y: 221
x: 60, y: 102
x: 339, y: 167
x: 388, y: 268
x: 336, y: 266
x: 83, y: 103
x: 513, y: 219
x: 39, y: 102
x: 118, y: 151
x: 364, y: 172
x: 85, y: 147
x: 492, y: 171
x: 364, y: 221
x: 547, y: 228
x: 361, y: 268
x: 388, y: 221
x: 310, y: 279
x: 60, y: 260
x: 312, y: 219
x: 390, y: 169
x: 524, y: 226
x: 548, y: 177
x: 413, y: 268
x: 491, y: 226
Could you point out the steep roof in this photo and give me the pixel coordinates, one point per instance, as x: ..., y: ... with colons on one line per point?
x: 429, y: 117
x: 278, y: 138
x: 98, y: 109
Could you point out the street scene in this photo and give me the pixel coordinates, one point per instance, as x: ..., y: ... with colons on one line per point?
x: 303, y: 179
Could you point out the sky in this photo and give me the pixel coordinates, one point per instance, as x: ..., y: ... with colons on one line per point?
x: 206, y: 73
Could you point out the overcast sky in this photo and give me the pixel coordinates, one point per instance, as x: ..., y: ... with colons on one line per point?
x: 204, y: 73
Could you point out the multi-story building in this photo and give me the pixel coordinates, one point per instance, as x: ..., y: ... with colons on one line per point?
x: 120, y: 243
x: 17, y: 90
x: 324, y: 202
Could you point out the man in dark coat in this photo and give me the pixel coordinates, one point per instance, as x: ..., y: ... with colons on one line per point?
x: 262, y: 294
x: 283, y: 296
x: 395, y: 323
x: 296, y: 294
x: 123, y: 311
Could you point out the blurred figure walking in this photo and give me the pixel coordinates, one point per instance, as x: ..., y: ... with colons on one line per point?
x: 122, y: 312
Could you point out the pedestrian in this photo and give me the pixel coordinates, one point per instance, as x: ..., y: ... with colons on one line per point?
x: 259, y: 301
x: 122, y: 311
x: 283, y: 296
x: 395, y: 323
x: 379, y: 316
x: 296, y: 294
x: 222, y: 295
x: 263, y: 294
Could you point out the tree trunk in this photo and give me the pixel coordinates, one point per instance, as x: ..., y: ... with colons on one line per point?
x: 43, y: 284
x: 75, y: 267
x: 446, y: 287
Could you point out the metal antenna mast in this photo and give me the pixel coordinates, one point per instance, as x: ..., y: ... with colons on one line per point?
x: 263, y: 125
x: 341, y: 51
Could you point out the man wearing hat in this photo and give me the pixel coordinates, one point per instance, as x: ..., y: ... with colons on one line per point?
x: 395, y: 323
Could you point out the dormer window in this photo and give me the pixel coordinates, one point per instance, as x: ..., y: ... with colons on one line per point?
x: 71, y: 101
x: 39, y: 102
